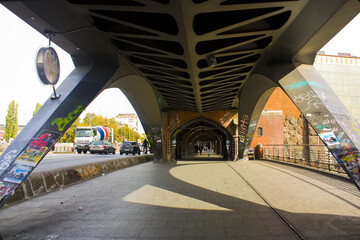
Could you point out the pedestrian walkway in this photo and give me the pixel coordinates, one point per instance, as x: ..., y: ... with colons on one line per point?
x: 192, y: 200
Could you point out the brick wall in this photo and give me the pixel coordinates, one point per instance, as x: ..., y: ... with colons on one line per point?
x: 280, y: 101
x: 272, y: 123
x: 289, y: 128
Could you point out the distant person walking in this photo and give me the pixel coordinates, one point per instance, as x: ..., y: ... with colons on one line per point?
x: 145, y: 143
x: 208, y: 148
x: 201, y: 149
x: 196, y: 149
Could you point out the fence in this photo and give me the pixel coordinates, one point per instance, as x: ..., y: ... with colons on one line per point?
x: 315, y: 156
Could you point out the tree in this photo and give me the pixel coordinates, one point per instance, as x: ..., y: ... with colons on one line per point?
x: 11, y: 121
x: 125, y: 132
x: 37, y: 107
x: 69, y: 135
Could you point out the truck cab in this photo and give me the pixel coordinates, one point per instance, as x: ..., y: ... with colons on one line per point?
x: 83, y: 137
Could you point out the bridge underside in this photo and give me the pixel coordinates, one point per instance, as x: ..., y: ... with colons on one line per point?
x: 215, y: 61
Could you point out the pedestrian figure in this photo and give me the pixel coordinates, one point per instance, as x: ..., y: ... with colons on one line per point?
x: 196, y: 149
x: 145, y: 143
x: 208, y: 148
x: 201, y: 149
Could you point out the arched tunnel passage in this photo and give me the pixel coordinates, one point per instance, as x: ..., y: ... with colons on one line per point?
x: 192, y: 140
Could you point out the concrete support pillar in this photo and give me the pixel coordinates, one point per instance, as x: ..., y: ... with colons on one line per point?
x: 252, y: 100
x: 327, y: 115
x: 165, y: 139
x: 76, y: 92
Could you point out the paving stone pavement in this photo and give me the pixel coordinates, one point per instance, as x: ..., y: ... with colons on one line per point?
x: 190, y: 200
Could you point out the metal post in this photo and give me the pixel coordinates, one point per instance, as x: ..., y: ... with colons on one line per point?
x: 112, y: 135
x: 328, y: 155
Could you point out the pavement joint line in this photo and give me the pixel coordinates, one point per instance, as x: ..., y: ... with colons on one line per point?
x: 341, y: 198
x: 283, y: 219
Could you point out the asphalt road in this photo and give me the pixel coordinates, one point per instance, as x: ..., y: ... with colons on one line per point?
x: 52, y: 161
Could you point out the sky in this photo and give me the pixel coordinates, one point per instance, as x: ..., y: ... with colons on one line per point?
x: 19, y: 81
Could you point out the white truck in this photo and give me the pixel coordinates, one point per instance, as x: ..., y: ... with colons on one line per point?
x: 86, y: 135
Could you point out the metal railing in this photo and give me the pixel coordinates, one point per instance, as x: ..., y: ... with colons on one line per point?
x: 315, y: 156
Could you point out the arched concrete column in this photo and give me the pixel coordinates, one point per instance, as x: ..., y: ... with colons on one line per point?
x: 145, y: 102
x: 327, y: 115
x: 50, y: 123
x: 252, y: 100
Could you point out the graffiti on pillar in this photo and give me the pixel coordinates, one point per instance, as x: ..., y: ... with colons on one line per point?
x: 311, y: 98
x: 243, y: 127
x: 17, y: 173
x: 329, y: 138
x: 6, y: 160
x: 62, y: 122
x: 6, y: 189
x: 351, y: 161
x: 34, y: 151
x: 330, y: 119
x: 37, y: 148
x: 302, y: 84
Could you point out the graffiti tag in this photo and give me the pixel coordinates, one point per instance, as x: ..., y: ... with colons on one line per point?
x: 309, y: 96
x: 323, y: 127
x: 244, y: 122
x: 8, y: 158
x: 302, y: 84
x: 61, y: 123
x: 357, y: 130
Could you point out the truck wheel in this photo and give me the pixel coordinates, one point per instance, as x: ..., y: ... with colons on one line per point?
x: 79, y: 151
x: 91, y: 152
x: 121, y: 153
x: 127, y: 153
x: 84, y: 151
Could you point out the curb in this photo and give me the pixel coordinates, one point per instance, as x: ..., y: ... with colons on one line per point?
x: 39, y: 183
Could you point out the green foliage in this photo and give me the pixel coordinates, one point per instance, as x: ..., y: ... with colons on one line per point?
x: 69, y: 135
x: 11, y: 121
x: 37, y: 107
x: 124, y: 133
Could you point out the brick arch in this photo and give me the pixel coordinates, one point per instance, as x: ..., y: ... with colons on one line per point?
x: 220, y: 128
x: 212, y: 116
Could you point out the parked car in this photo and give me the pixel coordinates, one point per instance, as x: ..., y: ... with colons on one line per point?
x: 130, y: 147
x: 101, y: 147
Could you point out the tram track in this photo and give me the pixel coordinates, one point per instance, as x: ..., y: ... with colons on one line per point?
x: 282, y: 218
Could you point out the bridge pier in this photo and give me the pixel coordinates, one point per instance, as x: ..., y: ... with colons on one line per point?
x: 252, y: 100
x: 327, y: 115
x: 50, y: 123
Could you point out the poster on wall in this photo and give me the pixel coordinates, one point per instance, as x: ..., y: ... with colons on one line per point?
x: 352, y: 163
x: 17, y: 174
x: 6, y: 189
x: 37, y: 148
x: 329, y: 138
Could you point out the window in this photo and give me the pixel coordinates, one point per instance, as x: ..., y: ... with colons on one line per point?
x: 259, y: 131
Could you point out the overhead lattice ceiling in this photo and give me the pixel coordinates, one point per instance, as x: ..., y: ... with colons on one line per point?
x: 197, y: 54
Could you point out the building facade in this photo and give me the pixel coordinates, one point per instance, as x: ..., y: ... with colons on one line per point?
x: 129, y: 119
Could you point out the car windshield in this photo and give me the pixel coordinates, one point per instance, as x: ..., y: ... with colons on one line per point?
x: 83, y: 132
x: 127, y: 144
x: 97, y: 143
